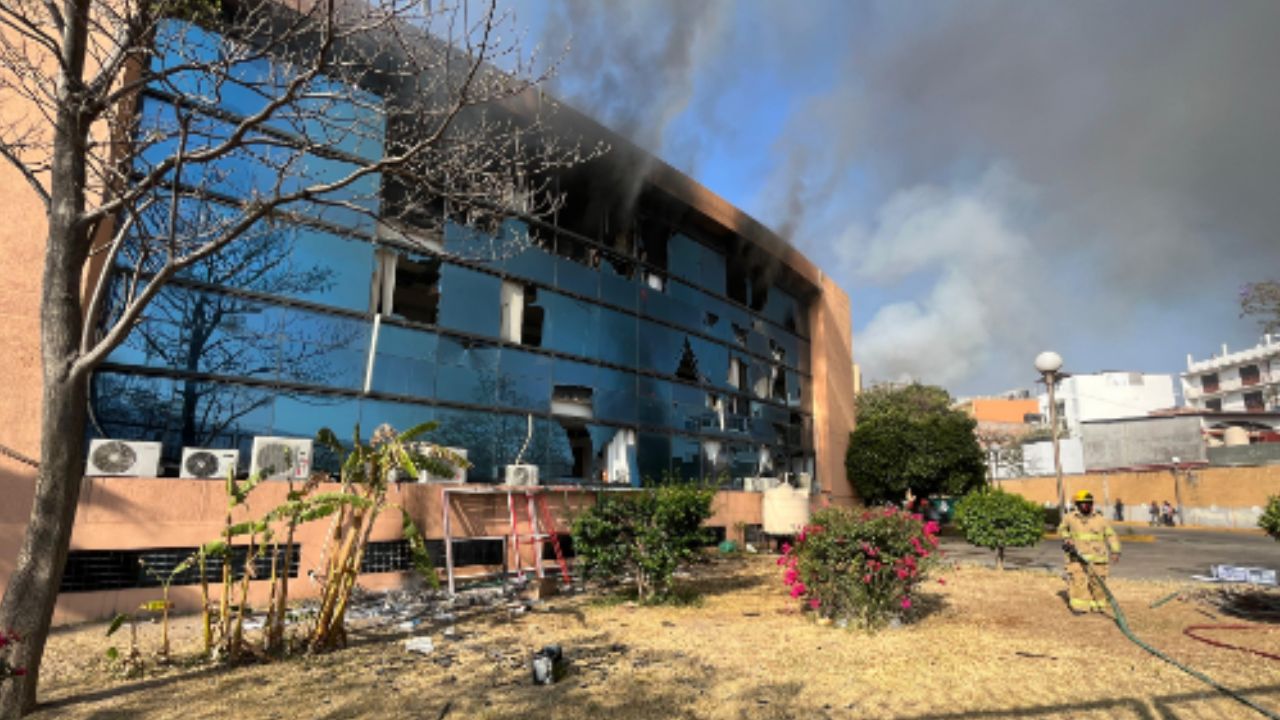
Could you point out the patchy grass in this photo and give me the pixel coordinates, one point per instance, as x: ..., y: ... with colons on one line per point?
x: 998, y: 645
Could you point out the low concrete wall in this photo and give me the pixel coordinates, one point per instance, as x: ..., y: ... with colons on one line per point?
x: 1212, y: 497
x: 144, y: 513
x: 1256, y: 454
x: 1143, y: 441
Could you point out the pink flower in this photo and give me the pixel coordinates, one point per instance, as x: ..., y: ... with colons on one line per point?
x: 906, y: 603
x: 786, y: 548
x: 941, y: 581
x: 931, y: 527
x: 903, y: 574
x: 782, y: 560
x: 866, y: 579
x: 798, y: 589
x: 814, y: 603
x: 790, y: 577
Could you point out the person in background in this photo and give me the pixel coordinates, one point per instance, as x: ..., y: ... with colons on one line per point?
x: 1167, y: 512
x: 1119, y: 510
x: 1155, y: 513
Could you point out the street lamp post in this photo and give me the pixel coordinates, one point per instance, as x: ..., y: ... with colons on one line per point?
x: 1050, y: 364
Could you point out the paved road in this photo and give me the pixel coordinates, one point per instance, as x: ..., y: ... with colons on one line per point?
x: 1174, y: 555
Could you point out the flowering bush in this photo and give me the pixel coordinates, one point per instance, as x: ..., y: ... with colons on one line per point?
x: 7, y: 670
x: 859, y: 565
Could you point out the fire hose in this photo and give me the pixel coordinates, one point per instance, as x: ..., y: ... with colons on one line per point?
x: 1123, y: 623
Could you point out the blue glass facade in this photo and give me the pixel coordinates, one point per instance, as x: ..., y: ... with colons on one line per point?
x: 631, y: 363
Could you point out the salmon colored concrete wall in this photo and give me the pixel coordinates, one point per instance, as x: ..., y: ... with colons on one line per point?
x: 831, y: 324
x: 1202, y: 492
x: 1000, y: 410
x: 136, y: 513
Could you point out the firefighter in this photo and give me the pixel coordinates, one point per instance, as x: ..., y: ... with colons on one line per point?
x: 1088, y: 538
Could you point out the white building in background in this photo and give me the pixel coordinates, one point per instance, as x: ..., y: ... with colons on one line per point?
x: 1242, y: 381
x: 1108, y: 396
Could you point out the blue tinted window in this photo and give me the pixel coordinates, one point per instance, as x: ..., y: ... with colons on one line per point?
x: 697, y: 263
x: 334, y: 115
x: 323, y: 350
x: 466, y: 371
x: 569, y: 325
x: 577, y: 278
x: 686, y: 458
x: 523, y: 256
x: 618, y: 284
x: 660, y: 348
x: 301, y: 415
x: 617, y: 338
x: 259, y: 167
x: 476, y: 432
x: 654, y: 401
x: 615, y: 396
x: 653, y: 453
x: 568, y: 372
x: 406, y: 362
x: 525, y: 380
x: 401, y: 416
x: 469, y: 301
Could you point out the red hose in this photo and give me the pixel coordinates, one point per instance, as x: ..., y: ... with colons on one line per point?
x: 1189, y: 632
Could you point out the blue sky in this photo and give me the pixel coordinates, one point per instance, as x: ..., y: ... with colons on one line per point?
x: 986, y: 179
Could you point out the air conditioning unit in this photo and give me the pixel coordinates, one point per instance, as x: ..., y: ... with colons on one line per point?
x: 123, y: 458
x: 520, y: 475
x: 208, y: 463
x: 803, y: 481
x: 286, y: 458
x: 459, y: 473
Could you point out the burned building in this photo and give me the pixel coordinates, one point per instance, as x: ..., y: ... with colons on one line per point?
x: 644, y: 330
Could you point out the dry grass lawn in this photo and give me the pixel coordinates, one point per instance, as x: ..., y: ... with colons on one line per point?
x: 991, y: 645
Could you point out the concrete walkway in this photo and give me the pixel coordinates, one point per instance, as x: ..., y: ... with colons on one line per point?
x: 1166, y: 554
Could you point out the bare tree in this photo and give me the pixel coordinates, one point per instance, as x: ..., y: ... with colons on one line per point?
x: 127, y: 118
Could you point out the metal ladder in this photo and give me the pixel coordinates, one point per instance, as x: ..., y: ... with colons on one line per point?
x: 542, y: 527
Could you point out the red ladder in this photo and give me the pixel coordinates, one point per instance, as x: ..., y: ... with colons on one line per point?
x: 536, y: 505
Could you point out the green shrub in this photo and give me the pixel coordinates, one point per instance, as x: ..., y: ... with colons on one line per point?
x: 645, y: 534
x: 860, y: 566
x: 997, y: 520
x: 1270, y: 520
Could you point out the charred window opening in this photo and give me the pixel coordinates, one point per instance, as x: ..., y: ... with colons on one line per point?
x: 710, y: 319
x: 521, y: 316
x: 715, y: 416
x: 747, y: 275
x: 405, y: 287
x: 580, y: 445
x: 740, y: 334
x: 573, y: 401
x: 737, y: 373
x: 688, y: 367
x: 779, y: 375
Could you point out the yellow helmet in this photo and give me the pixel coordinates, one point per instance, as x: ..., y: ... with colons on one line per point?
x: 1083, y: 496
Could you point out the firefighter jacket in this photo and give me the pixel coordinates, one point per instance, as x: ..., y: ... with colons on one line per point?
x: 1092, y: 535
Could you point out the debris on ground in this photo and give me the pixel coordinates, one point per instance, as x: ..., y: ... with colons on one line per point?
x: 1239, y: 574
x: 548, y: 665
x: 420, y: 645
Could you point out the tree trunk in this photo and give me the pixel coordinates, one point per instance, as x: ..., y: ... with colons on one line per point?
x: 999, y: 558
x: 33, y: 588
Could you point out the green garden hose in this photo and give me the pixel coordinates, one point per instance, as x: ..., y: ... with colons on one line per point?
x: 1123, y: 623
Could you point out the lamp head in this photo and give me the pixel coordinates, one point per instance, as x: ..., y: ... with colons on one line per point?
x: 1048, y: 362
